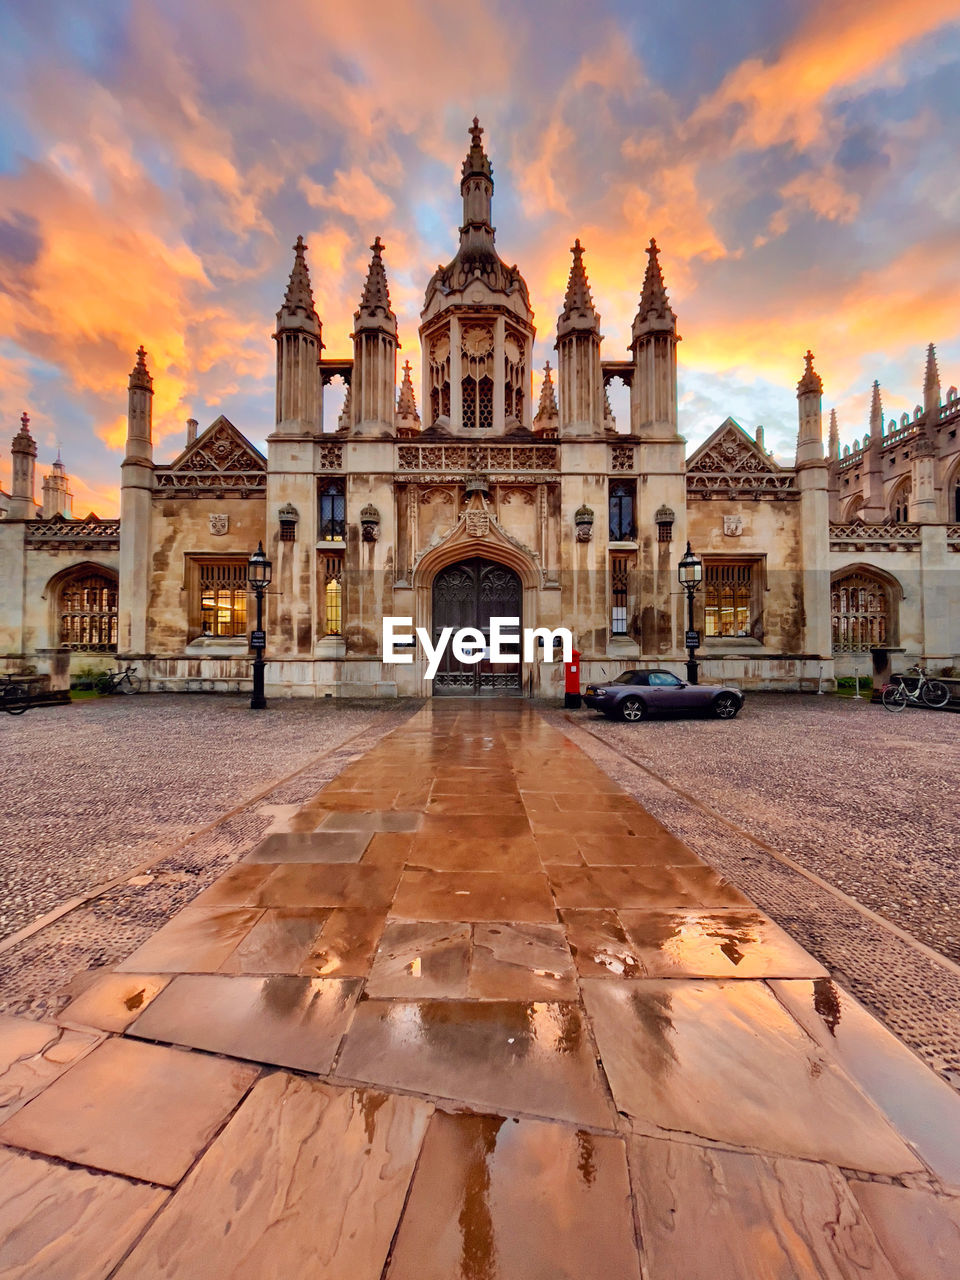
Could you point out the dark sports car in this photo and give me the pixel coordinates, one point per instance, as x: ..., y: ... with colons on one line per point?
x: 634, y: 695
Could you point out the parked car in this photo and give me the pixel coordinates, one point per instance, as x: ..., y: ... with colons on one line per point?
x: 634, y: 695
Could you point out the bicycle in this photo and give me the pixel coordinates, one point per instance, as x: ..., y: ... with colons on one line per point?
x: 114, y: 681
x: 932, y: 693
x: 15, y: 697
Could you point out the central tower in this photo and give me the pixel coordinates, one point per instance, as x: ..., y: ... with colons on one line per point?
x: 476, y: 330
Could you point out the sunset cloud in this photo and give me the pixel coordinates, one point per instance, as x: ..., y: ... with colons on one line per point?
x: 157, y: 161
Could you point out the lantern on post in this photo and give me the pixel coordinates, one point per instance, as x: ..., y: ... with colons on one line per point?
x: 259, y: 573
x: 690, y: 573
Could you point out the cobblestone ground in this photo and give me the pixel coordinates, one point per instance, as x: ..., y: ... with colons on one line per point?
x: 93, y: 790
x: 863, y: 799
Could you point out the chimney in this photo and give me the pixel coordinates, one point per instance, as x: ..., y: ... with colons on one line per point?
x: 192, y: 425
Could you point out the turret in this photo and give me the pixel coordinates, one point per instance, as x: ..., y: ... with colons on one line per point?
x: 57, y: 497
x: 876, y: 415
x: 833, y: 447
x: 578, y: 355
x: 810, y: 431
x: 653, y: 393
x: 375, y: 345
x: 299, y: 343
x: 931, y: 388
x: 136, y: 498
x: 407, y: 420
x: 23, y: 505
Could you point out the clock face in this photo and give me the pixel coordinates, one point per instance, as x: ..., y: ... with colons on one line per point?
x: 477, y: 342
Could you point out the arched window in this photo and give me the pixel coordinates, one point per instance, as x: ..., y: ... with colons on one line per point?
x: 900, y: 502
x: 623, y: 527
x: 853, y: 509
x: 476, y: 385
x: 333, y: 510
x: 861, y: 610
x: 87, y: 608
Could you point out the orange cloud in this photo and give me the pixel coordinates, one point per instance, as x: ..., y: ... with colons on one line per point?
x: 839, y: 43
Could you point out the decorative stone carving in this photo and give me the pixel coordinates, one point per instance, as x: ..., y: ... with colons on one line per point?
x: 370, y: 523
x: 80, y: 535
x: 730, y: 464
x: 219, y: 524
x: 220, y: 461
x: 477, y: 524
x: 732, y: 526
x: 477, y: 457
x: 583, y: 519
x: 330, y: 457
x: 622, y: 458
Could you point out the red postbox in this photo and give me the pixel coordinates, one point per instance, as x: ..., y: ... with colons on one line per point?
x: 571, y: 681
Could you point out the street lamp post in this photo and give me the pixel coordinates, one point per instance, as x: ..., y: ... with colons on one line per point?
x: 259, y: 570
x: 690, y: 573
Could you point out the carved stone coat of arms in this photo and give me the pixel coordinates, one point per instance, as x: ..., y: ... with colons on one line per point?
x: 219, y: 524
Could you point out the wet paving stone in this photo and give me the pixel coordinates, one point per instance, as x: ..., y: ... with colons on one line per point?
x: 724, y: 1061
x: 516, y: 1200
x: 32, y: 1055
x: 534, y: 1058
x: 306, y: 1180
x: 113, y: 1000
x: 141, y: 1110
x: 318, y: 846
x: 60, y: 1223
x: 919, y: 1232
x: 707, y: 1214
x: 285, y: 1020
x: 715, y: 944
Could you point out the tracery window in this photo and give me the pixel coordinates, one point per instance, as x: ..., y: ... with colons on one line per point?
x: 476, y: 385
x: 623, y: 526
x: 900, y: 502
x: 514, y: 374
x: 860, y: 609
x: 88, y: 613
x: 332, y: 595
x: 333, y: 510
x: 439, y: 371
x: 732, y: 598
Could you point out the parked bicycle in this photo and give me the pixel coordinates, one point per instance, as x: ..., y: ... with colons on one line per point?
x: 123, y: 680
x: 15, y: 696
x: 932, y: 693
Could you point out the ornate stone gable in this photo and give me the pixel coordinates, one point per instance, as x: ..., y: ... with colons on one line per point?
x: 731, y: 464
x: 219, y: 461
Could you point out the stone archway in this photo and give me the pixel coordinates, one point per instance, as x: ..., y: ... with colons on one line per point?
x: 468, y: 593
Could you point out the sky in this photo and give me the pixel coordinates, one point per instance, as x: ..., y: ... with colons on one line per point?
x: 796, y: 162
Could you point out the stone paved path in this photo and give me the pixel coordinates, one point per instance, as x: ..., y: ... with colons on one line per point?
x: 471, y: 1011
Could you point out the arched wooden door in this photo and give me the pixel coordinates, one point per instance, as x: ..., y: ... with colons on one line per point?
x: 469, y: 594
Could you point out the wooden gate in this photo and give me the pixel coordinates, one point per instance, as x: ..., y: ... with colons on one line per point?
x: 469, y: 594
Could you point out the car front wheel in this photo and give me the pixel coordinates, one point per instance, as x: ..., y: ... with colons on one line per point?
x: 725, y: 706
x: 632, y: 710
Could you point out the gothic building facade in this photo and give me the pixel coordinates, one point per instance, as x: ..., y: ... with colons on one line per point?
x: 487, y: 505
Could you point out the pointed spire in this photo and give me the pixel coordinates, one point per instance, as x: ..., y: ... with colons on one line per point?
x: 476, y: 161
x: 407, y: 403
x: 140, y: 374
x: 299, y: 295
x: 374, y: 311
x: 833, y: 445
x: 931, y: 387
x: 876, y: 414
x: 609, y: 421
x: 578, y: 312
x: 548, y: 395
x: 653, y: 299
x: 343, y: 422
x: 811, y: 380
